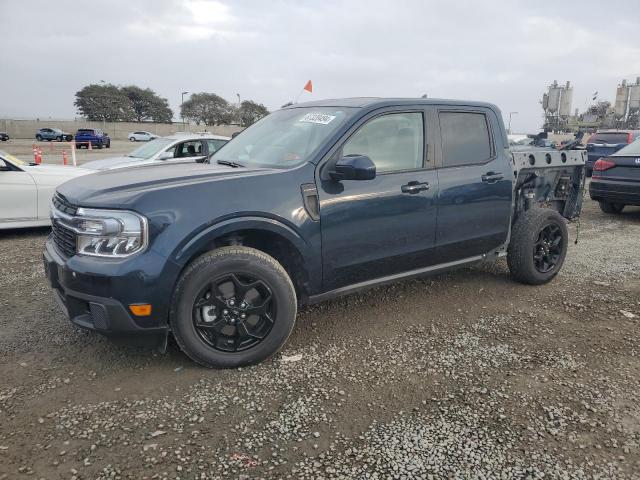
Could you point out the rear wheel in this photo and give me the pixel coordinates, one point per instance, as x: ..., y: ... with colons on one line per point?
x: 538, y: 246
x: 99, y: 145
x: 39, y: 138
x: 108, y: 145
x: 609, y: 207
x: 132, y: 139
x: 233, y: 306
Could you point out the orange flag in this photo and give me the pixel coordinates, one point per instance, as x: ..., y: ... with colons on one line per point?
x: 309, y: 87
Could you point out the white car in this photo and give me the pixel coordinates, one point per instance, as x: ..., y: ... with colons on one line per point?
x: 26, y: 190
x: 181, y: 147
x: 141, y: 136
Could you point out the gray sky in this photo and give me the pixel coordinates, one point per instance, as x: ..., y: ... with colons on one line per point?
x: 505, y: 52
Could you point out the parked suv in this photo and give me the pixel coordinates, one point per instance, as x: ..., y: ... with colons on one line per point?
x: 606, y: 142
x: 313, y: 201
x: 50, y: 134
x: 94, y: 136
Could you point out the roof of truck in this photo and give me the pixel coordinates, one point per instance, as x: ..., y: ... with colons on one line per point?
x: 377, y: 102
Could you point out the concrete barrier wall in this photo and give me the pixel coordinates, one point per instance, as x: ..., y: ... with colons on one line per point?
x: 116, y: 130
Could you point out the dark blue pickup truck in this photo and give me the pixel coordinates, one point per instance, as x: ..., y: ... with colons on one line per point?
x: 313, y: 201
x: 92, y: 136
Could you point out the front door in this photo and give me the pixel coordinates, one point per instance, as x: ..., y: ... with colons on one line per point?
x: 379, y: 227
x: 475, y: 180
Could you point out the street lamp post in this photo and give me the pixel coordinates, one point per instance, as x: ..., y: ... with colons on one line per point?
x: 510, y: 114
x: 184, y: 126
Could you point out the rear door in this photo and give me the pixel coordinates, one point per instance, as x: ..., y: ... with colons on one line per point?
x: 475, y: 183
x: 375, y: 228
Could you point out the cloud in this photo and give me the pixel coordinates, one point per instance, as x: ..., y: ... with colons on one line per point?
x: 505, y: 52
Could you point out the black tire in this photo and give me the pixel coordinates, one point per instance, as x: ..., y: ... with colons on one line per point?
x: 132, y: 139
x: 531, y: 259
x: 609, y: 207
x: 39, y: 138
x: 217, y: 266
x: 108, y: 145
x: 99, y: 145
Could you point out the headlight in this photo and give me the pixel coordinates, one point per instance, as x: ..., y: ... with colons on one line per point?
x: 110, y: 233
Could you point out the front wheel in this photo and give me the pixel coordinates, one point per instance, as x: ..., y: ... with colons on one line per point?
x: 39, y: 138
x: 609, y: 207
x: 538, y: 246
x: 233, y: 306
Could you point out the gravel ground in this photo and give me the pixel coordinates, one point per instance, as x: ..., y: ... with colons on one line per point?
x: 463, y: 375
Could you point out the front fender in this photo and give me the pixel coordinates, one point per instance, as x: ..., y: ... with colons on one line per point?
x: 199, y: 242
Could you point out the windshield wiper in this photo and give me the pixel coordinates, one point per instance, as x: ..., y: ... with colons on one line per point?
x: 229, y: 163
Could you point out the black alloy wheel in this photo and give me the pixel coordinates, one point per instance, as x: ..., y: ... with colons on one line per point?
x: 234, y: 312
x: 548, y: 248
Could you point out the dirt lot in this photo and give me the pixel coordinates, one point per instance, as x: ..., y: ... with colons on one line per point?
x: 464, y: 375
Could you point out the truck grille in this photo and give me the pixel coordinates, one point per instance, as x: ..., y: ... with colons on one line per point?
x: 64, y: 239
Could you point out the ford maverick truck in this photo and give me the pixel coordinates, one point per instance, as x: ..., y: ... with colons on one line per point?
x: 315, y: 200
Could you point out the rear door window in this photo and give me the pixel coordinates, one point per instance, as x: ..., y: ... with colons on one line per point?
x: 465, y: 138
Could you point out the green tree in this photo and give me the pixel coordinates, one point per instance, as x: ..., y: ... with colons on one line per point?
x: 250, y: 112
x: 208, y: 108
x: 104, y: 102
x: 147, y: 105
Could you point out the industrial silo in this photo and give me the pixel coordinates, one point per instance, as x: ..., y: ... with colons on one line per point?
x: 622, y: 95
x: 634, y: 97
x: 566, y: 100
x: 554, y: 97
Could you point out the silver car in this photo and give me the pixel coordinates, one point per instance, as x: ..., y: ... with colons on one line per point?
x: 141, y: 136
x: 180, y: 147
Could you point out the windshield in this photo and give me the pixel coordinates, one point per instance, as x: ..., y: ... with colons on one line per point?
x: 632, y: 149
x: 285, y: 138
x: 148, y: 150
x: 12, y: 159
x: 610, y: 137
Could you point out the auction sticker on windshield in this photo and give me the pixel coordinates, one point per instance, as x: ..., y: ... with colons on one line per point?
x: 320, y: 118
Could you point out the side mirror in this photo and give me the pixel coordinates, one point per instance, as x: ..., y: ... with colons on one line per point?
x: 354, y: 167
x: 165, y: 155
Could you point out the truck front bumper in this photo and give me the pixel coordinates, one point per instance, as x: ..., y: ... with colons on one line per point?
x: 86, y: 299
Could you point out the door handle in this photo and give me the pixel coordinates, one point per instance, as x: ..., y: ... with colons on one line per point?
x: 415, y: 187
x: 492, y: 177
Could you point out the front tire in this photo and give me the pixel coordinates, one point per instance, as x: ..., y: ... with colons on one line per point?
x: 132, y: 139
x: 538, y: 246
x: 39, y: 138
x: 609, y: 207
x: 233, y: 306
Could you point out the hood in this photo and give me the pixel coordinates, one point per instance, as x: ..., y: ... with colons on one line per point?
x: 119, y: 186
x: 112, y: 162
x: 54, y: 174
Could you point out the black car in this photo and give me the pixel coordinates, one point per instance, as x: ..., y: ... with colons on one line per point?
x: 4, y: 136
x: 616, y: 179
x: 607, y: 142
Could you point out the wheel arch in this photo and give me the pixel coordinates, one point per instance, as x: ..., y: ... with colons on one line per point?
x: 267, y: 235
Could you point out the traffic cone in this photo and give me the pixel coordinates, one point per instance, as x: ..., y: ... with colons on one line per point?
x: 64, y: 157
x: 38, y: 156
x: 90, y: 148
